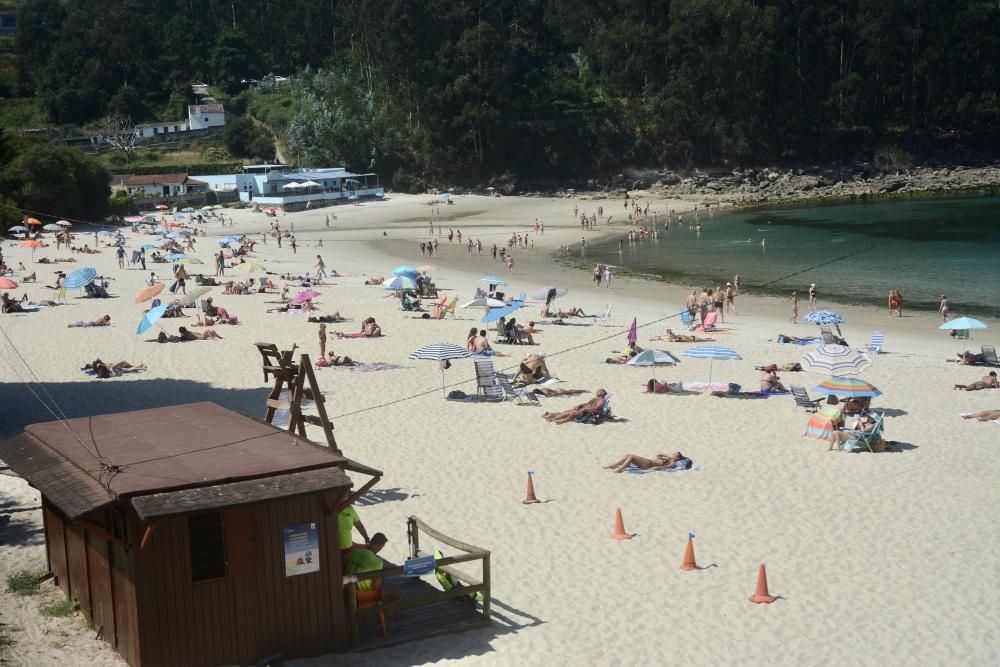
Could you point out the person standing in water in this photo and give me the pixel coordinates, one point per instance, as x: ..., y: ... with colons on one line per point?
x: 944, y: 307
x: 795, y: 308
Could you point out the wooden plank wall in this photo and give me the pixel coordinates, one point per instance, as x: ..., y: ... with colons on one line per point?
x: 55, y: 547
x: 79, y: 581
x: 239, y: 619
x: 123, y: 603
x: 99, y: 577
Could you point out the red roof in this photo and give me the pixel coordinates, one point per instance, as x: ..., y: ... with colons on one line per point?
x: 156, y: 179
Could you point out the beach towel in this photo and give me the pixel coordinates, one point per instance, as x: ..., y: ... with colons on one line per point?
x: 636, y: 470
x: 369, y: 367
x: 705, y: 386
x: 820, y: 424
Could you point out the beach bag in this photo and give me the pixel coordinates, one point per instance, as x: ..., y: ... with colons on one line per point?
x: 457, y: 395
x: 173, y: 288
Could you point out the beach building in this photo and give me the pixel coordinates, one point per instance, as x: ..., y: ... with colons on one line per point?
x: 163, y: 185
x: 192, y: 534
x: 290, y: 188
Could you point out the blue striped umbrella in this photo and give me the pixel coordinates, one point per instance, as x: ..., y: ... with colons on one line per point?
x: 492, y: 280
x: 711, y: 352
x: 497, y: 313
x: 80, y: 278
x: 835, y: 361
x: 405, y: 270
x: 441, y: 352
x: 824, y: 317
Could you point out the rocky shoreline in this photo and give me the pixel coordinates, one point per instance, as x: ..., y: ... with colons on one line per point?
x: 751, y: 187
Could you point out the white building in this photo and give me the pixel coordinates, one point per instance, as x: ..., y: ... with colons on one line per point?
x: 281, y: 185
x: 204, y: 116
x: 163, y: 185
x: 150, y: 130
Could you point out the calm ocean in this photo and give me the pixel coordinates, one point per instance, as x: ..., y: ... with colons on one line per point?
x: 855, y: 253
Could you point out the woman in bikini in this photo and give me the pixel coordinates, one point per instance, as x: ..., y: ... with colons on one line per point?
x: 593, y: 406
x: 658, y: 462
x: 104, y: 370
x: 208, y: 334
x: 654, y: 386
x: 680, y: 338
x: 100, y: 322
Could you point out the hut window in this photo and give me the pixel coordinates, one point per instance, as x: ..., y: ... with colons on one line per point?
x: 208, y: 555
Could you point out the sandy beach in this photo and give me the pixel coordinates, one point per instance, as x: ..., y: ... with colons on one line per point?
x: 876, y: 558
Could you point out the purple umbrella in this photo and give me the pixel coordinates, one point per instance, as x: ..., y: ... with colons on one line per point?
x: 632, y: 335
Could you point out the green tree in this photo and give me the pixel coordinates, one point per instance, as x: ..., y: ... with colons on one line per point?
x: 233, y: 60
x: 245, y: 138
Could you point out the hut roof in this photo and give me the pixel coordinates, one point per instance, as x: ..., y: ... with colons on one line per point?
x: 176, y: 459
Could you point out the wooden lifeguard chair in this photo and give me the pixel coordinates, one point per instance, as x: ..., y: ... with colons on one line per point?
x: 294, y: 377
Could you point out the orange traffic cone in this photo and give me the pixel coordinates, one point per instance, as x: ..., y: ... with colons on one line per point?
x: 620, y: 533
x: 762, y: 596
x: 689, y: 562
x: 530, y: 498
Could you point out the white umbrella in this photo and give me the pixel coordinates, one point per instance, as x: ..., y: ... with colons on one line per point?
x: 835, y: 361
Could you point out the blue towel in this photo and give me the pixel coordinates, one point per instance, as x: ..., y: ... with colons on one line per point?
x: 811, y: 341
x: 636, y: 470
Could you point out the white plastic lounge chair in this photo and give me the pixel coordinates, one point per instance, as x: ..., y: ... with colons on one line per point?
x: 990, y: 355
x: 486, y: 382
x: 605, y: 317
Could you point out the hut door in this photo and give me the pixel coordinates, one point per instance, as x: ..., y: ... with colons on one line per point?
x: 242, y: 543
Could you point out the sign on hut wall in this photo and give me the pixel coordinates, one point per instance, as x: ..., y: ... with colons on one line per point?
x: 301, y: 549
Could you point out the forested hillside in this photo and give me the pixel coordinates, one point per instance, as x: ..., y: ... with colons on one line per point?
x: 475, y: 88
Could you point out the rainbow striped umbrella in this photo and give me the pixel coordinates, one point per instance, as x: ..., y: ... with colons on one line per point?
x: 849, y: 387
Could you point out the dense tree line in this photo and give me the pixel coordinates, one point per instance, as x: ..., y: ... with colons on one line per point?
x: 478, y: 87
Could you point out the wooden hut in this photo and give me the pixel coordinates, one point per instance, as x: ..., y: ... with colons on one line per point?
x: 191, y: 534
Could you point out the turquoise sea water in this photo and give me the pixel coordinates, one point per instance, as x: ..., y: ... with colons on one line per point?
x: 855, y: 253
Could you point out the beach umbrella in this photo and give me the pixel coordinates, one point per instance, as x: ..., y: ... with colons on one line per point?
x: 205, y: 208
x: 305, y: 295
x: 147, y: 293
x: 441, y: 353
x: 174, y: 235
x: 33, y: 243
x: 33, y: 221
x: 149, y: 319
x: 711, y: 352
x: 148, y: 222
x: 148, y: 246
x: 963, y: 323
x: 633, y: 334
x: 18, y: 229
x: 217, y: 206
x: 64, y: 223
x: 226, y: 240
x: 133, y: 218
x: 492, y: 280
x: 187, y: 209
x: 248, y: 267
x: 52, y: 228
x: 80, y: 278
x: 824, y: 317
x: 173, y: 224
x: 183, y: 232
x: 7, y: 283
x: 652, y: 358
x: 849, y: 387
x: 400, y: 283
x: 497, y: 313
x: 161, y: 207
x: 405, y: 270
x: 835, y: 360
x: 176, y: 256
x: 484, y: 302
x: 542, y: 294
x: 191, y: 299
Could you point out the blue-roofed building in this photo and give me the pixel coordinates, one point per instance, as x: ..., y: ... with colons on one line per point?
x: 293, y: 188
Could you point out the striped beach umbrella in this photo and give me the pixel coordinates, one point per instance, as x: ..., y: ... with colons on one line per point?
x: 399, y: 283
x: 849, y: 387
x: 835, y: 360
x: 711, y: 352
x: 80, y: 278
x: 441, y: 353
x: 824, y: 317
x: 492, y: 280
x: 497, y: 313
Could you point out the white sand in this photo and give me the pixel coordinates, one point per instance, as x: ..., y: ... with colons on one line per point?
x: 879, y: 559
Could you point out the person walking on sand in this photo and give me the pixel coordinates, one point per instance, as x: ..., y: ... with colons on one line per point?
x: 795, y: 308
x: 322, y: 341
x: 597, y: 275
x: 320, y: 268
x: 737, y: 285
x: 730, y: 299
x: 812, y: 296
x: 944, y: 307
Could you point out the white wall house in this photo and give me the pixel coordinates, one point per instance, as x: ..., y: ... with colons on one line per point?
x: 204, y: 116
x: 163, y: 185
x: 149, y: 130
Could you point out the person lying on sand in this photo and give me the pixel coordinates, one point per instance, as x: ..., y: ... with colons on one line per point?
x: 208, y: 334
x: 375, y: 280
x: 107, y: 369
x: 983, y: 416
x: 654, y: 386
x: 971, y: 358
x: 988, y: 382
x: 549, y: 392
x: 572, y: 312
x: 675, y: 461
x: 626, y: 354
x: 591, y: 407
x: 784, y: 368
x: 681, y: 338
x: 336, y: 317
x: 333, y: 359
x: 100, y: 322
x: 782, y: 338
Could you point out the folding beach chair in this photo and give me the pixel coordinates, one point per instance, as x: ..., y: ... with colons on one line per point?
x: 877, y: 342
x: 598, y: 417
x: 605, y: 317
x: 486, y: 380
x: 828, y: 336
x: 866, y: 439
x: 520, y: 394
x: 802, y: 398
x: 990, y: 355
x: 686, y: 319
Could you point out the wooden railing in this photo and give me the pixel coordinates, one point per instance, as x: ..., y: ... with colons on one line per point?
x: 470, y: 584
